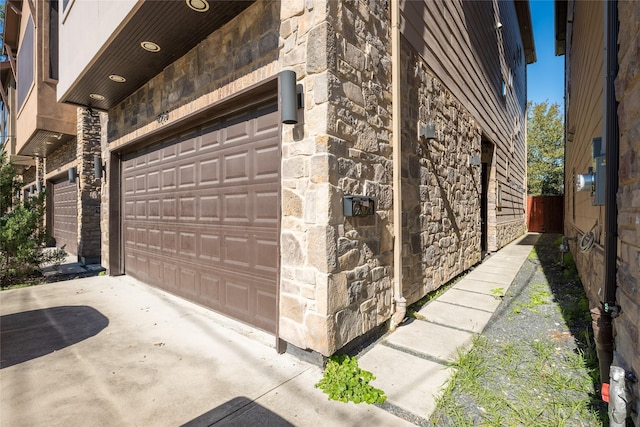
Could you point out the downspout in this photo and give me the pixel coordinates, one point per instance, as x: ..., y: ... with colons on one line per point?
x: 399, y: 300
x: 603, y: 316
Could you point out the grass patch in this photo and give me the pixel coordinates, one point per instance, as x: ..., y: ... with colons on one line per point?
x: 544, y: 376
x: 543, y: 388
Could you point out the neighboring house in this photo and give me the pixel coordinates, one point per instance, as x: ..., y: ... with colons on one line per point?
x: 51, y: 139
x: 600, y: 41
x: 218, y: 188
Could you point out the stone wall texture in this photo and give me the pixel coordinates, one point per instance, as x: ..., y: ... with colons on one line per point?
x: 440, y: 190
x: 61, y: 159
x: 89, y: 200
x: 627, y: 325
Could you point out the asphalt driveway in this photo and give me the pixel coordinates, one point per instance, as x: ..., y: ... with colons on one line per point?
x: 110, y: 351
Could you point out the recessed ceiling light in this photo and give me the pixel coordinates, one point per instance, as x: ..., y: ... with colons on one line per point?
x: 150, y: 46
x: 96, y: 96
x: 198, y: 5
x: 116, y: 78
x: 49, y: 142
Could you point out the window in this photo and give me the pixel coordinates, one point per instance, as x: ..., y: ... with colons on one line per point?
x: 53, y: 39
x: 25, y: 64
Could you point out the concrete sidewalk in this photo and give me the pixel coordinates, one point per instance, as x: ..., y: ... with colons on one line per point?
x: 410, y: 364
x: 106, y: 351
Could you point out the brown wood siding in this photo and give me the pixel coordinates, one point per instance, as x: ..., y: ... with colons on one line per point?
x: 65, y: 215
x: 585, y: 104
x: 459, y: 42
x: 201, y: 215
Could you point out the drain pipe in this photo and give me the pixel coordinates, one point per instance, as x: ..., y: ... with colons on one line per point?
x: 609, y: 310
x: 399, y: 300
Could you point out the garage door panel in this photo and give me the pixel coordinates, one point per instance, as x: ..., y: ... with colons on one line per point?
x: 209, y: 208
x: 208, y: 172
x: 64, y: 227
x: 210, y: 215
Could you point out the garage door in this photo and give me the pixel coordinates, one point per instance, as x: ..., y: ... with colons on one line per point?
x: 65, y: 215
x: 201, y: 215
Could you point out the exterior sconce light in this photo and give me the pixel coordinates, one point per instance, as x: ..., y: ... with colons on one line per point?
x: 427, y: 131
x: 475, y: 160
x: 98, y: 168
x: 163, y: 117
x: 31, y: 190
x: 290, y: 96
x: 39, y: 186
x: 72, y: 174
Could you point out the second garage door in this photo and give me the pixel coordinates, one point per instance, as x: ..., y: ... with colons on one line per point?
x: 201, y: 215
x: 65, y: 215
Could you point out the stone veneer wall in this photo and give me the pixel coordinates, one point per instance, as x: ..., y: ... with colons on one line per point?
x: 63, y: 156
x: 88, y: 145
x: 627, y: 325
x: 358, y: 162
x: 440, y: 190
x: 506, y: 232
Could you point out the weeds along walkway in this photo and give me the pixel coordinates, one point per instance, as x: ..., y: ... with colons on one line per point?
x: 535, y: 363
x: 412, y: 364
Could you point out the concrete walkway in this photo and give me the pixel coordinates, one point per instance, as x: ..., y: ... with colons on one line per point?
x: 106, y: 351
x: 410, y: 364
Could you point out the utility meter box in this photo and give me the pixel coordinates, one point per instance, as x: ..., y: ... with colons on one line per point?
x: 601, y: 181
x: 358, y: 206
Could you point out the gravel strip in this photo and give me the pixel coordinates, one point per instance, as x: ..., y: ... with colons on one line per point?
x: 535, y: 362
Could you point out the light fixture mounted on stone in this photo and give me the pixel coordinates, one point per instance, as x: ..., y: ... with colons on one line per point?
x: 427, y: 131
x: 71, y: 172
x: 291, y: 98
x: 163, y: 117
x: 98, y: 167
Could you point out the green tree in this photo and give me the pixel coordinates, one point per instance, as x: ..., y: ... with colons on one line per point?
x: 545, y: 152
x: 22, y: 232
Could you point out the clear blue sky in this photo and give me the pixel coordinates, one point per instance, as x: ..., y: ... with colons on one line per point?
x: 545, y: 77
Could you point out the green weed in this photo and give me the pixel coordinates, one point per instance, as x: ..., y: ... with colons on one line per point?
x: 345, y: 381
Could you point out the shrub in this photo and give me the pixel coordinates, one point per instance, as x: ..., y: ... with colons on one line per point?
x: 22, y: 233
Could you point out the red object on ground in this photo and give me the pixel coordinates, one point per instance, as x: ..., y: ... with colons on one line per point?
x: 605, y: 392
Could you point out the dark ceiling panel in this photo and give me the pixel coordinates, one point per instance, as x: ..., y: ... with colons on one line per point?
x: 172, y: 25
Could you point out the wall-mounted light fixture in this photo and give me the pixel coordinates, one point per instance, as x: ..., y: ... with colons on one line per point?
x: 72, y: 174
x: 475, y: 160
x: 31, y: 190
x: 427, y: 131
x: 290, y: 97
x: 162, y: 117
x: 39, y: 186
x: 98, y: 167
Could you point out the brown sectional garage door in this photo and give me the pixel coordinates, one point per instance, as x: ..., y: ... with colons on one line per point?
x: 65, y: 215
x: 201, y: 215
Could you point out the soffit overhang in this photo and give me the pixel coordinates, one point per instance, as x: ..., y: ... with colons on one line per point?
x: 172, y: 25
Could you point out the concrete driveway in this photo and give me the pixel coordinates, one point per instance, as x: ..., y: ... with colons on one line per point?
x: 110, y: 351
